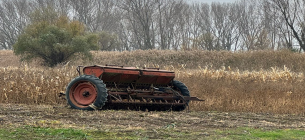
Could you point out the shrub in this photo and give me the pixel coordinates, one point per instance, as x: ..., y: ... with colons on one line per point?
x: 55, y: 42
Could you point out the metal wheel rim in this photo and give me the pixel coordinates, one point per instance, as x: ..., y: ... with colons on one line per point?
x: 83, y: 94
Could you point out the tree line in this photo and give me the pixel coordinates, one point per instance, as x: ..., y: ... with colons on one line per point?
x: 169, y: 24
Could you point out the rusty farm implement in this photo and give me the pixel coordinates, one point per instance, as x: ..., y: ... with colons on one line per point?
x: 119, y: 87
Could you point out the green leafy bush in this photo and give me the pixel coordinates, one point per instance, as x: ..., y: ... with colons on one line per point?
x: 55, y: 42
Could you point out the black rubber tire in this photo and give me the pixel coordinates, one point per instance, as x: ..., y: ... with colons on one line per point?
x: 179, y: 86
x: 100, y: 88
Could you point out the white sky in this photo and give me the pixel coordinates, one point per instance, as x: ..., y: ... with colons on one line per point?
x: 210, y: 1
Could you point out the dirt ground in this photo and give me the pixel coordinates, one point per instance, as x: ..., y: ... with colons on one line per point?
x: 65, y: 117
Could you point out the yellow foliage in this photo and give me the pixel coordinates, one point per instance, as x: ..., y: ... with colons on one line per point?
x: 76, y: 27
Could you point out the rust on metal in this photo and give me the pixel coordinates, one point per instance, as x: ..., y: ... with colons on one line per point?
x: 83, y: 94
x: 120, y: 74
x: 132, y: 88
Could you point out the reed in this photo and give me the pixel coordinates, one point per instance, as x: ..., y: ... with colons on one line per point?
x: 276, y: 86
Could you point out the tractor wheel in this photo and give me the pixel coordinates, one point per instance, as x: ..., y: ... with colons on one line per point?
x: 181, y: 88
x: 86, y: 92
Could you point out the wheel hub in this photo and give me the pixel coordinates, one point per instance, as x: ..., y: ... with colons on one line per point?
x: 84, y: 93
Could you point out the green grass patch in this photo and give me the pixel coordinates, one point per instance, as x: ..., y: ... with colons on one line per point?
x: 37, y: 133
x: 250, y: 133
x: 280, y: 134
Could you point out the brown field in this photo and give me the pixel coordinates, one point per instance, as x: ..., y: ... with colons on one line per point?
x: 257, y: 82
x: 149, y: 125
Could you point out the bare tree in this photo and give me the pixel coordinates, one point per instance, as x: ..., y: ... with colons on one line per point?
x: 107, y: 16
x: 203, y: 37
x: 83, y: 11
x: 13, y: 18
x: 139, y: 14
x: 225, y: 18
x: 168, y: 13
x: 169, y: 24
x: 250, y: 25
x: 292, y: 12
x: 184, y: 32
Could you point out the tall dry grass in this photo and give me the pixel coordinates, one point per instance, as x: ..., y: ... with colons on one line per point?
x: 242, y: 61
x: 270, y: 82
x: 31, y: 85
x: 272, y: 91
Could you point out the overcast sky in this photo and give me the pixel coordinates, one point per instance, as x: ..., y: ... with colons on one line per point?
x: 210, y: 1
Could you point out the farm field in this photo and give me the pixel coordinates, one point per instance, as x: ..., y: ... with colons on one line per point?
x: 247, y: 95
x: 24, y: 121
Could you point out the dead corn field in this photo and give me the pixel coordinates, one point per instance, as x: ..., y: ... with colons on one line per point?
x: 258, y: 82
